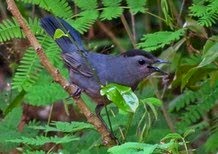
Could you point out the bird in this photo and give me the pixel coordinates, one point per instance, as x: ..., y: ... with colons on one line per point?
x: 90, y: 70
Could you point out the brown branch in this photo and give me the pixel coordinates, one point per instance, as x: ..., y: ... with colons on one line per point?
x: 101, y: 128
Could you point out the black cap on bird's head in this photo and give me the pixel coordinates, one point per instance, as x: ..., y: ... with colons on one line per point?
x: 151, y: 59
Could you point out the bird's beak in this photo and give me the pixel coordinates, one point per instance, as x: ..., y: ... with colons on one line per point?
x: 156, y: 69
x: 161, y: 61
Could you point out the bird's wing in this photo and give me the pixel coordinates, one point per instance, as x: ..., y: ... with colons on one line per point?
x: 78, y: 63
x: 68, y: 43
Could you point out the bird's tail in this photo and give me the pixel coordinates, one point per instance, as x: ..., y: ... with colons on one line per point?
x: 68, y: 43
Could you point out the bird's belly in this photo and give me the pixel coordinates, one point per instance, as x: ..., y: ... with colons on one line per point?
x: 90, y: 86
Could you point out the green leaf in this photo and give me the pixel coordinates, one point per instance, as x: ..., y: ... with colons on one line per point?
x: 121, y: 96
x: 209, y: 55
x: 59, y: 33
x: 133, y: 147
x: 153, y: 100
x: 166, y: 12
x: 136, y: 5
x: 185, y: 79
x: 16, y: 102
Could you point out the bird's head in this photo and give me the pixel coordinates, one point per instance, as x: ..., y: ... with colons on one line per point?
x: 143, y: 62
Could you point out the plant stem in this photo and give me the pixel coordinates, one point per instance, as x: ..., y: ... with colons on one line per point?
x: 126, y: 26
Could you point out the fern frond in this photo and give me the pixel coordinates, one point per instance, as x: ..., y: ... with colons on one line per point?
x: 206, y: 12
x: 45, y: 91
x: 136, y: 6
x: 66, y: 127
x: 183, y: 100
x: 41, y: 140
x: 151, y: 42
x: 86, y: 5
x: 27, y: 72
x: 9, y: 129
x: 108, y: 3
x: 33, y: 152
x: 9, y: 29
x: 85, y: 20
x: 112, y: 9
x: 196, y: 103
x: 59, y: 8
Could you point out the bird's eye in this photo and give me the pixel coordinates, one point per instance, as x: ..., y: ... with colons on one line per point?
x: 141, y: 61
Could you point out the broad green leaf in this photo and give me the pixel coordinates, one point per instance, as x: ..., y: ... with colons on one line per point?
x: 186, y: 78
x: 209, y: 55
x: 59, y: 33
x: 133, y: 147
x: 121, y: 96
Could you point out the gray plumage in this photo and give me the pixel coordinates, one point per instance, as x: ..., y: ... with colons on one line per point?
x: 90, y: 70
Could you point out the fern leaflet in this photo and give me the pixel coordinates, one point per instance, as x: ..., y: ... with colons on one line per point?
x: 151, y: 42
x: 206, y: 11
x: 59, y: 8
x: 112, y: 9
x: 41, y: 140
x: 136, y: 6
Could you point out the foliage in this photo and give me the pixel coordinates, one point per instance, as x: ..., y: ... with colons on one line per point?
x: 184, y: 33
x: 41, y: 140
x: 9, y: 130
x: 205, y: 11
x: 122, y: 96
x: 157, y: 40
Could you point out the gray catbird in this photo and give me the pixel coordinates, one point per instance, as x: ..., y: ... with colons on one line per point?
x: 90, y: 70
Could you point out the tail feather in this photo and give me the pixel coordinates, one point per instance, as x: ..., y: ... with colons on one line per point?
x: 68, y: 43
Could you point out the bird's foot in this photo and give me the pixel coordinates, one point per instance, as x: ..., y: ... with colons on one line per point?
x: 77, y: 93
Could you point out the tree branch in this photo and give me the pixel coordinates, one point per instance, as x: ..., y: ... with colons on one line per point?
x: 101, y: 128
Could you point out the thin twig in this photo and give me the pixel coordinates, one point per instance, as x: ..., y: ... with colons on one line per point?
x: 163, y: 108
x: 126, y: 26
x: 133, y: 26
x: 91, y: 118
x: 111, y: 35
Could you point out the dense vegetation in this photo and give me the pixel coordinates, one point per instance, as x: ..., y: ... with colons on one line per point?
x: 176, y: 113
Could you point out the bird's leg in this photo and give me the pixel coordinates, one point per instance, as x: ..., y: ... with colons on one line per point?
x: 77, y: 93
x: 98, y: 109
